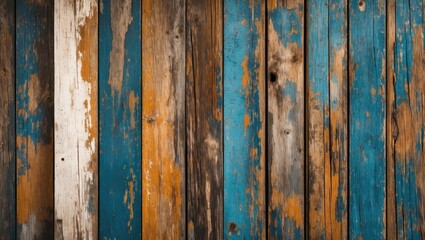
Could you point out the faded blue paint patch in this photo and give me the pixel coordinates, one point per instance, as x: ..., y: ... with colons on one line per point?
x: 242, y: 144
x: 287, y: 24
x: 290, y: 90
x: 367, y: 163
x: 119, y: 143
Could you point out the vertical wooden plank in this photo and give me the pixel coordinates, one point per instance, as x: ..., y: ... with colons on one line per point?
x: 7, y: 120
x: 204, y: 114
x: 120, y: 119
x: 367, y: 74
x: 34, y: 96
x: 163, y: 119
x: 76, y: 56
x: 286, y: 119
x: 327, y: 119
x: 244, y: 119
x: 407, y: 111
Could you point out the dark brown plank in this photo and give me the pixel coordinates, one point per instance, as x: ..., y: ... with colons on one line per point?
x: 204, y: 119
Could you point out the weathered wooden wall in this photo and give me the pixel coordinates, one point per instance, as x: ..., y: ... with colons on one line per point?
x: 212, y: 119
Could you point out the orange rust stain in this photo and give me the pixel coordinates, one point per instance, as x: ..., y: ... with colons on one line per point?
x: 246, y: 121
x: 132, y: 102
x: 294, y: 209
x: 131, y: 202
x: 34, y: 195
x: 245, y: 77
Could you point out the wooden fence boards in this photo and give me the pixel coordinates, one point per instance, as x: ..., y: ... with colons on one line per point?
x: 163, y: 120
x: 286, y: 119
x: 7, y: 121
x: 204, y: 114
x: 120, y: 119
x: 76, y: 120
x: 34, y: 130
x: 406, y: 101
x: 327, y: 118
x: 244, y: 120
x: 367, y: 164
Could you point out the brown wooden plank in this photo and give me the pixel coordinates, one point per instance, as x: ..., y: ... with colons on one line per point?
x: 204, y: 98
x: 163, y: 119
x: 34, y: 115
x: 7, y: 120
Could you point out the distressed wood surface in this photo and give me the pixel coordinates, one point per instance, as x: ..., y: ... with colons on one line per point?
x: 327, y: 119
x: 406, y: 100
x: 204, y: 114
x: 163, y: 120
x: 76, y: 130
x: 285, y: 119
x: 7, y: 120
x: 367, y: 74
x: 120, y: 119
x: 34, y: 126
x: 244, y: 119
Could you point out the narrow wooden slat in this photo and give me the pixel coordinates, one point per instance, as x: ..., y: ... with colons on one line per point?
x: 327, y: 119
x: 119, y: 120
x: 244, y: 117
x: 367, y: 74
x: 163, y: 119
x: 204, y: 102
x: 7, y: 120
x: 76, y: 90
x: 286, y: 119
x: 407, y: 101
x: 34, y: 130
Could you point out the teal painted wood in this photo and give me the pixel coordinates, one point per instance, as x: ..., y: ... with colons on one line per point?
x: 34, y: 118
x: 285, y: 119
x: 120, y: 119
x: 7, y: 120
x: 408, y: 115
x: 367, y: 73
x: 244, y: 125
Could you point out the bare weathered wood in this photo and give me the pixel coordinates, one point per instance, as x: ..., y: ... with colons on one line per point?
x: 204, y: 114
x: 163, y: 119
x: 286, y: 119
x: 7, y: 120
x: 76, y: 133
x: 34, y: 115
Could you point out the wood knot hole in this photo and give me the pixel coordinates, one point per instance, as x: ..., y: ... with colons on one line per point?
x: 62, y: 159
x: 273, y: 77
x: 232, y: 227
x: 362, y: 5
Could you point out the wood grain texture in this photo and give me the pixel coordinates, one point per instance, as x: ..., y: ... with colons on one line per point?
x: 7, y: 120
x: 76, y: 131
x: 406, y: 98
x: 367, y: 164
x: 163, y: 120
x: 204, y: 114
x: 286, y: 119
x: 244, y: 118
x: 34, y: 130
x: 327, y: 119
x: 120, y: 119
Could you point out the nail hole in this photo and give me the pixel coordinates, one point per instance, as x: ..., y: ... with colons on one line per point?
x: 232, y: 227
x: 273, y: 77
x: 62, y: 159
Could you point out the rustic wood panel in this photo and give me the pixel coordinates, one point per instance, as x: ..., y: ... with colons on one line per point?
x: 76, y: 131
x: 367, y: 165
x: 34, y: 130
x: 406, y: 100
x: 120, y: 119
x: 204, y: 114
x: 327, y: 118
x: 285, y: 119
x: 163, y: 119
x: 7, y: 120
x: 244, y: 119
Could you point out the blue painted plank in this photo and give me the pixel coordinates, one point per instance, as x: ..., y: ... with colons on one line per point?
x: 34, y: 118
x: 120, y: 119
x: 367, y: 165
x: 285, y: 119
x: 244, y: 120
x: 7, y: 120
x: 408, y: 125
